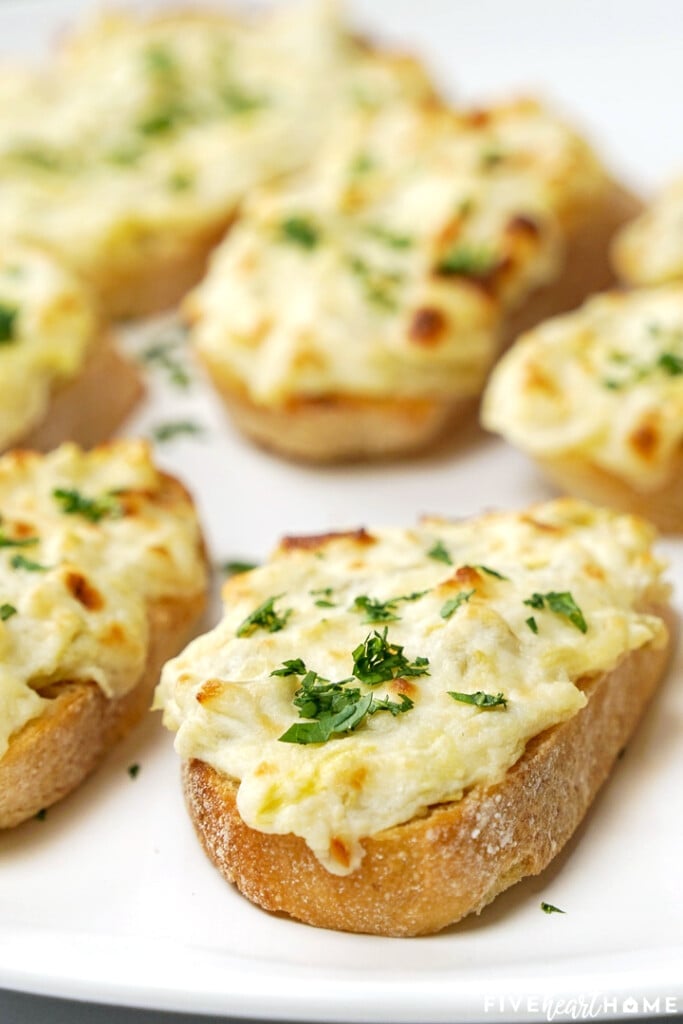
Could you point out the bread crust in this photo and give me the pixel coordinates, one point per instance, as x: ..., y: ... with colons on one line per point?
x: 158, y: 278
x: 89, y: 408
x: 421, y: 876
x: 52, y: 754
x: 662, y: 505
x: 337, y: 428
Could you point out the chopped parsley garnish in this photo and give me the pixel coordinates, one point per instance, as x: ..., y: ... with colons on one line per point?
x: 236, y: 568
x: 671, y: 364
x: 324, y: 600
x: 265, y: 617
x: 380, y: 286
x: 439, y: 553
x: 133, y: 770
x: 180, y: 181
x: 41, y: 815
x: 10, y: 542
x: 94, y: 509
x: 491, y: 572
x: 237, y: 100
x: 390, y: 238
x: 160, y: 61
x: 480, y: 699
x: 668, y: 362
x: 162, y: 120
x: 7, y: 611
x: 334, y: 708
x: 463, y: 260
x: 299, y: 231
x: 163, y: 355
x: 291, y: 667
x: 548, y: 908
x: 376, y: 660
x: 382, y: 611
x: 561, y: 604
x: 532, y: 624
x: 21, y: 562
x: 177, y: 428
x: 452, y: 606
x: 8, y: 322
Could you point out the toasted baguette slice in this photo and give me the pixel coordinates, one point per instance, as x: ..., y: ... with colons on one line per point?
x: 337, y: 427
x: 509, y: 704
x: 61, y: 376
x: 355, y: 311
x: 421, y: 876
x: 200, y: 108
x: 596, y: 397
x: 123, y: 591
x: 649, y: 251
x: 92, y: 406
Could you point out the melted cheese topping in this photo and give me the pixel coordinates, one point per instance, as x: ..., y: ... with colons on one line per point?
x: 650, y: 249
x: 79, y: 590
x: 604, y: 383
x: 229, y: 709
x: 387, y: 268
x: 150, y: 131
x: 47, y: 324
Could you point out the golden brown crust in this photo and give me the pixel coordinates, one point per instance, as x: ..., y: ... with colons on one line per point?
x: 339, y: 428
x: 662, y: 505
x: 430, y: 872
x: 52, y: 754
x: 89, y: 408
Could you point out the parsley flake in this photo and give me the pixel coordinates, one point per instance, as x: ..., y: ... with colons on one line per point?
x: 561, y: 604
x: 299, y: 231
x: 380, y: 286
x: 452, y: 606
x: 21, y: 562
x: 133, y: 770
x: 440, y: 554
x: 41, y: 815
x: 334, y: 708
x: 382, y: 611
x: 291, y: 667
x: 491, y: 572
x: 8, y: 323
x: 376, y: 660
x: 236, y: 568
x: 479, y: 699
x: 7, y: 611
x: 671, y: 364
x: 265, y: 617
x: 532, y: 624
x: 15, y: 542
x: 163, y: 354
x: 548, y: 908
x: 464, y: 260
x: 169, y: 431
x: 94, y: 509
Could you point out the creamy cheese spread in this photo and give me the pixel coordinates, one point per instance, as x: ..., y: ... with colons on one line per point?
x: 386, y: 268
x: 604, y: 383
x: 147, y: 132
x: 47, y: 324
x: 520, y: 607
x: 649, y: 250
x: 87, y: 542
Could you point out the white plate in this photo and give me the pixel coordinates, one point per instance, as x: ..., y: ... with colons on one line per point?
x: 110, y: 898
